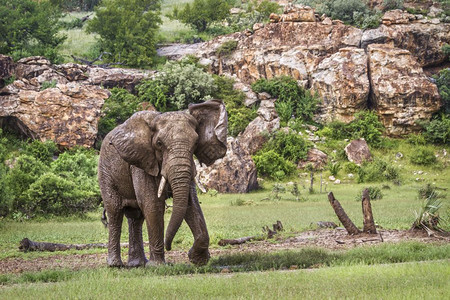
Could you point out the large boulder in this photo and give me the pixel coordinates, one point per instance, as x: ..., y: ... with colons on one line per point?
x: 401, y: 93
x: 317, y: 158
x: 341, y: 81
x: 256, y: 133
x: 67, y: 114
x: 235, y: 173
x: 109, y: 78
x: 358, y: 151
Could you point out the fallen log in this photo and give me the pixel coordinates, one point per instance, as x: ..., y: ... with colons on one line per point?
x: 29, y: 245
x: 340, y: 213
x: 238, y: 241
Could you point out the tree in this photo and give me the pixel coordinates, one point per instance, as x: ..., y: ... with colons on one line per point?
x: 202, y: 13
x: 128, y: 30
x: 29, y: 28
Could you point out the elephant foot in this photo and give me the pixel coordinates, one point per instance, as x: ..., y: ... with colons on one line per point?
x: 114, y: 262
x: 199, y: 257
x: 136, y: 262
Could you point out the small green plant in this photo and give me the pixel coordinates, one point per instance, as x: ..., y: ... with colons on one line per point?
x: 276, y: 191
x: 377, y: 170
x: 423, y: 156
x: 416, y: 139
x: 351, y: 167
x: 226, y: 48
x: 212, y: 193
x: 48, y: 85
x: 295, y: 191
x: 429, y: 191
x: 427, y: 217
x: 375, y: 193
x: 392, y: 4
x: 9, y: 80
x: 238, y: 202
x: 334, y: 168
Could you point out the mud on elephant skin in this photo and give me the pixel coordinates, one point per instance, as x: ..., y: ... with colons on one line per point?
x: 140, y: 159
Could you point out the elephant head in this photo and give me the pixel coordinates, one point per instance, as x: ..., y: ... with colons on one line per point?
x: 163, y: 145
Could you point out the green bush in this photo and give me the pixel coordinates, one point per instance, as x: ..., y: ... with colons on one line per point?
x: 43, y: 151
x: 201, y: 13
x: 272, y: 164
x: 291, y: 146
x: 30, y: 28
x: 116, y: 110
x: 429, y: 191
x: 344, y: 10
x: 155, y: 93
x: 377, y: 170
x: 443, y: 83
x: 375, y: 193
x: 366, y: 125
x: 416, y: 139
x: 423, y: 156
x: 438, y: 130
x: 292, y: 100
x: 127, y: 30
x: 5, y: 198
x: 226, y: 48
x: 334, y: 168
x: 392, y: 4
x: 351, y: 167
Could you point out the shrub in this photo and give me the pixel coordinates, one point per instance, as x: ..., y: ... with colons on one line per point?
x: 423, y: 156
x: 351, y: 167
x: 378, y: 170
x: 334, y: 168
x: 438, y: 130
x: 186, y: 83
x: 416, y: 139
x: 48, y: 85
x: 43, y: 151
x: 155, y: 93
x: 392, y: 4
x: 127, y: 29
x: 5, y: 198
x: 290, y: 146
x: 443, y: 83
x: 429, y: 191
x: 336, y: 130
x: 269, y: 163
x: 201, y: 13
x: 344, y: 10
x: 30, y: 28
x: 375, y: 193
x: 366, y: 125
x: 292, y: 100
x: 226, y: 48
x: 116, y: 110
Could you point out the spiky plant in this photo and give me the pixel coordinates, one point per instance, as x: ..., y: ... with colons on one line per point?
x: 427, y: 217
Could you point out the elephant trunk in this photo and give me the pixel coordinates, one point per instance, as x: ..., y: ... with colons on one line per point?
x: 180, y: 178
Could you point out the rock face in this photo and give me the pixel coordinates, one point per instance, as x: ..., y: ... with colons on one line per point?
x: 235, y: 173
x: 68, y: 111
x: 341, y: 81
x: 401, y: 93
x: 358, y: 151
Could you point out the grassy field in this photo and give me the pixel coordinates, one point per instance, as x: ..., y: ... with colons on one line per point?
x: 420, y: 280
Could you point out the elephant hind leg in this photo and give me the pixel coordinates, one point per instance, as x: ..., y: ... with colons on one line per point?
x: 136, y: 255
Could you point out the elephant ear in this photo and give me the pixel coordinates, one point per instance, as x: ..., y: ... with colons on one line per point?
x: 212, y: 121
x: 133, y: 142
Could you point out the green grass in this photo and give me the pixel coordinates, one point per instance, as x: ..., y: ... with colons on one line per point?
x: 418, y: 280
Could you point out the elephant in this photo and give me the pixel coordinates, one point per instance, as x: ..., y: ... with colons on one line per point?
x: 145, y: 158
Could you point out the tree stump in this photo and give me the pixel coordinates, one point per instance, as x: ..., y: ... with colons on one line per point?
x: 369, y: 224
x: 340, y: 213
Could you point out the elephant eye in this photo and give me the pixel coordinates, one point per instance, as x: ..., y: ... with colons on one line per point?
x: 159, y: 143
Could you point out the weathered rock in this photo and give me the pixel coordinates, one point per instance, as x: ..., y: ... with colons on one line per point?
x: 256, y: 133
x: 294, y: 13
x: 397, y: 16
x: 341, y: 81
x: 317, y: 158
x: 67, y: 114
x: 6, y: 67
x: 31, y: 67
x: 177, y: 51
x: 235, y: 173
x: 358, y: 151
x: 109, y: 78
x: 401, y: 93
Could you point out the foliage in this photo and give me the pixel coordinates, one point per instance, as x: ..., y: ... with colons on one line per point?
x: 292, y: 100
x: 392, y: 4
x: 367, y: 20
x: 375, y: 193
x: 201, y: 13
x: 366, y: 125
x: 43, y: 151
x: 351, y: 167
x: 438, y: 130
x: 377, y: 170
x: 443, y: 83
x: 152, y: 91
x: 334, y: 168
x: 30, y: 28
x: 429, y: 191
x: 127, y: 29
x: 271, y: 164
x: 291, y: 146
x: 427, y: 217
x: 70, y: 5
x: 226, y: 48
x: 116, y: 110
x: 416, y: 139
x: 423, y: 156
x: 239, y: 116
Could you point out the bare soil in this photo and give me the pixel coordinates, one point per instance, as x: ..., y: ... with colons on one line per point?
x: 336, y: 239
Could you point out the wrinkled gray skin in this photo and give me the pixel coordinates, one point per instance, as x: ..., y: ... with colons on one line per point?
x: 133, y: 159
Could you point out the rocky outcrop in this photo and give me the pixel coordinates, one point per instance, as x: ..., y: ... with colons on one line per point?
x: 256, y: 133
x: 235, y: 173
x: 59, y: 102
x: 358, y: 151
x: 401, y: 93
x: 341, y: 81
x: 294, y: 13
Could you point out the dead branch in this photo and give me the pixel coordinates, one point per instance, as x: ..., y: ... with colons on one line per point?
x: 99, y: 58
x: 340, y: 213
x: 28, y: 245
x: 278, y: 226
x: 238, y: 241
x: 369, y: 224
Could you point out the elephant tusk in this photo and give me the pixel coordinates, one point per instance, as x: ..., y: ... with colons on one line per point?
x: 161, y: 186
x: 200, y: 185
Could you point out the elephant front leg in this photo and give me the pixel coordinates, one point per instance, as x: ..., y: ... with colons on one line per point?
x: 199, y: 253
x: 155, y: 227
x: 114, y: 228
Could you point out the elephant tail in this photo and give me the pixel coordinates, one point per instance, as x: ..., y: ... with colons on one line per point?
x: 104, y: 218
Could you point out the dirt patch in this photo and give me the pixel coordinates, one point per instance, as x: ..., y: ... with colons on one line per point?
x: 329, y: 239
